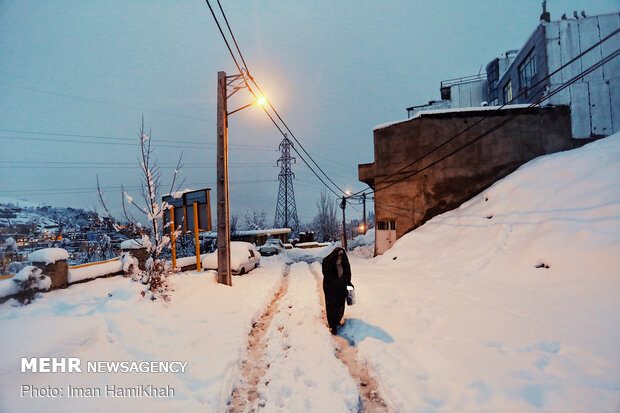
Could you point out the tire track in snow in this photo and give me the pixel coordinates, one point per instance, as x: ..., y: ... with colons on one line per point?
x: 245, y: 393
x: 368, y: 387
x: 303, y: 375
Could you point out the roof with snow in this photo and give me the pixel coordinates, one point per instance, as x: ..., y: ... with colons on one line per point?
x: 469, y: 111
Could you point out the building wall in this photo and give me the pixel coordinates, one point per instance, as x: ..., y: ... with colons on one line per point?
x: 537, y: 131
x: 469, y: 94
x: 595, y: 99
x: 520, y: 93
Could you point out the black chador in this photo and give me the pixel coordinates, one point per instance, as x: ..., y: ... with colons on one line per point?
x: 336, y: 277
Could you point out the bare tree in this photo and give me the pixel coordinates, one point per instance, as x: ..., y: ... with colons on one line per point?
x: 325, y: 223
x: 234, y: 223
x: 153, y: 238
x: 255, y: 219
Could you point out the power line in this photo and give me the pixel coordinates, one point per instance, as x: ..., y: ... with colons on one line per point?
x: 161, y: 164
x: 606, y: 38
x: 95, y: 142
x: 103, y: 102
x: 199, y: 143
x: 85, y: 190
x: 264, y: 109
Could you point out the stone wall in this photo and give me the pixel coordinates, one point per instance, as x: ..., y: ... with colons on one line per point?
x: 57, y: 271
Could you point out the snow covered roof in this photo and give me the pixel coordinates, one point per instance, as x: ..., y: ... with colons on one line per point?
x: 270, y: 231
x: 179, y: 194
x: 424, y: 113
x: 132, y: 244
x: 48, y: 255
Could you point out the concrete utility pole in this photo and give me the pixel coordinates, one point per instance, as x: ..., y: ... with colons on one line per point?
x: 343, y: 204
x: 224, y: 275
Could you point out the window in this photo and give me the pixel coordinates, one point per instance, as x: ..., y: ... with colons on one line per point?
x: 386, y: 225
x: 527, y: 70
x: 507, y: 92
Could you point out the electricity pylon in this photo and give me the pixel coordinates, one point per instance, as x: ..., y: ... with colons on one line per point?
x: 286, y: 211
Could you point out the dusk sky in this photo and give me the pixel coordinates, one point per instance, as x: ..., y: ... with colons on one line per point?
x: 74, y: 74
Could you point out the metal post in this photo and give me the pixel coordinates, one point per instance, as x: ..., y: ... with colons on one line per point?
x: 173, y: 239
x: 197, y: 237
x: 364, y: 200
x: 223, y: 222
x: 343, y: 204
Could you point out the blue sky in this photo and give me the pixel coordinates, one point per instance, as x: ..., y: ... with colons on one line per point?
x: 333, y: 69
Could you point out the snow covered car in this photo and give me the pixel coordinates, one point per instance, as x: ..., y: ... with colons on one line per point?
x: 243, y: 258
x: 272, y: 246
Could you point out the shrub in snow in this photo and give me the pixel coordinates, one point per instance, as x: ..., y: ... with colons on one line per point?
x: 130, y: 264
x: 28, y: 282
x: 10, y: 245
x: 15, y: 267
x: 153, y: 238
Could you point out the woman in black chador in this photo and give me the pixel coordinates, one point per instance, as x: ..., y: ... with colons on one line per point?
x: 336, y: 277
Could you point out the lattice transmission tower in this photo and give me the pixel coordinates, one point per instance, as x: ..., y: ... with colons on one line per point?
x: 286, y: 211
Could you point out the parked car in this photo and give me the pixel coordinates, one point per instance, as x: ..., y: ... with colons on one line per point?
x: 243, y: 258
x: 272, y: 246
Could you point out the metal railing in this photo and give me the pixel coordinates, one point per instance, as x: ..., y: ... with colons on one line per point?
x: 464, y: 79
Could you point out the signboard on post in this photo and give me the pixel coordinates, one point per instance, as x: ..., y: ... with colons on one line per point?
x: 191, y: 211
x: 184, y: 212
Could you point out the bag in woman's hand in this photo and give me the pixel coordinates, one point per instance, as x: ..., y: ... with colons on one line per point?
x: 350, y: 295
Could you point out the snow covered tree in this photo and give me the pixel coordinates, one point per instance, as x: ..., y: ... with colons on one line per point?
x: 28, y: 282
x: 10, y: 245
x: 153, y: 238
x: 234, y: 223
x: 255, y: 219
x: 325, y: 223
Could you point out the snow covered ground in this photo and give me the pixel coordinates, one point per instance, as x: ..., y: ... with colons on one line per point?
x: 304, y: 373
x: 510, y: 303
x: 205, y: 324
x: 457, y: 316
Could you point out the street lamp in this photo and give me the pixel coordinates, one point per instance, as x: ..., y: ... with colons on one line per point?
x: 224, y: 275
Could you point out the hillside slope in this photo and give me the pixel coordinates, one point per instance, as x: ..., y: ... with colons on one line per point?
x: 510, y: 302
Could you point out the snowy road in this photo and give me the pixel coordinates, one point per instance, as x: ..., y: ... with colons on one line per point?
x: 294, y: 363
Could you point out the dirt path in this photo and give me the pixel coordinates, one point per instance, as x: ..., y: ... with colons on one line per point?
x: 368, y: 387
x: 245, y: 393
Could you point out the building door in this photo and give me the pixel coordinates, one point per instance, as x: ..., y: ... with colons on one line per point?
x: 385, y: 236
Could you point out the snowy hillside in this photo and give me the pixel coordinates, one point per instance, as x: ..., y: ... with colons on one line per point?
x: 509, y: 303
x: 8, y: 201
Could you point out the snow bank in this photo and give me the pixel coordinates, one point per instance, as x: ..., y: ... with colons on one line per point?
x: 90, y: 271
x: 10, y: 286
x: 478, y: 321
x: 48, y: 255
x: 205, y: 324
